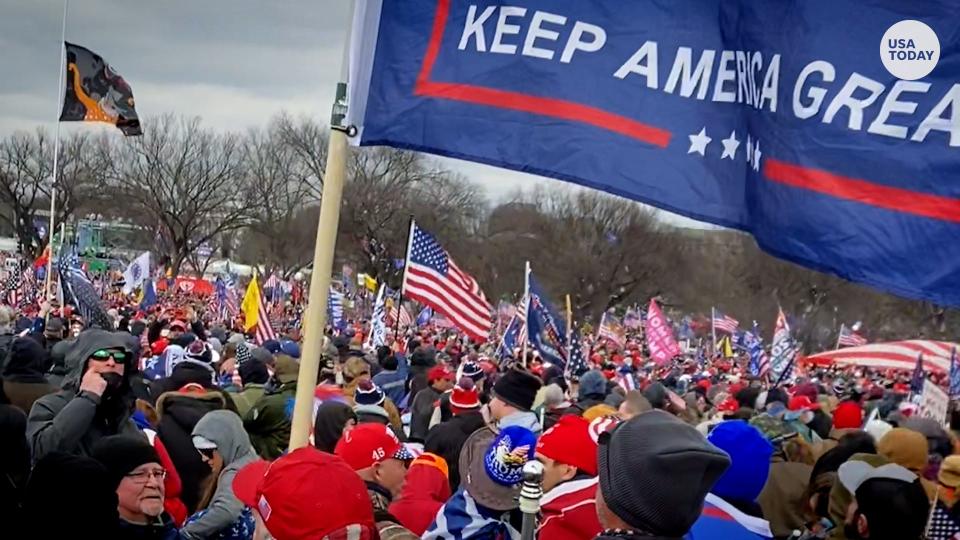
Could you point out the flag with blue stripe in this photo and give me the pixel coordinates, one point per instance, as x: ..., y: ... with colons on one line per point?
x: 423, y: 318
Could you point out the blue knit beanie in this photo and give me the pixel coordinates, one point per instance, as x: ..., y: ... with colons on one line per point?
x: 749, y: 453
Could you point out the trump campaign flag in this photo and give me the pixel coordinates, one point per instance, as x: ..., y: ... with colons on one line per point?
x: 778, y: 118
x: 663, y: 346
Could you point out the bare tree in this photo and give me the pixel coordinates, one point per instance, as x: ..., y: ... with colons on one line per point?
x: 283, y: 231
x: 26, y: 178
x: 180, y: 179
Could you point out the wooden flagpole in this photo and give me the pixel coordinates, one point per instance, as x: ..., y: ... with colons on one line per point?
x: 316, y: 312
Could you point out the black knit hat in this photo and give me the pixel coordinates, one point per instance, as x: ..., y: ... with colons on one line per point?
x: 517, y: 388
x: 121, y: 454
x: 655, y: 472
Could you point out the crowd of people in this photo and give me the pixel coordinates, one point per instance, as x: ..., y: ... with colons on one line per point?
x: 171, y: 427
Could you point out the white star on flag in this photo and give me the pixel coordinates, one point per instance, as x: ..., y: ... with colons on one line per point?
x: 730, y: 146
x: 699, y: 142
x: 756, y: 156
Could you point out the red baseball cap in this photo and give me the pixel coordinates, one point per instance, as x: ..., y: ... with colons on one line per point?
x: 368, y: 444
x: 439, y: 372
x: 569, y: 442
x: 307, y: 494
x: 802, y: 403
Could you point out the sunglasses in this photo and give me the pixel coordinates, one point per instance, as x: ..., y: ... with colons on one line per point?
x: 103, y: 355
x: 207, y: 452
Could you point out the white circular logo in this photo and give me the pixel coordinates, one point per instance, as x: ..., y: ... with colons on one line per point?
x: 910, y: 50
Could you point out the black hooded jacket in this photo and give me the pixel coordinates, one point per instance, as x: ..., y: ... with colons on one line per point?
x: 71, y: 420
x: 23, y: 379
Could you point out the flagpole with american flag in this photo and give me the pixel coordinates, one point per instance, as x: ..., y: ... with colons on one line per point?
x: 526, y: 306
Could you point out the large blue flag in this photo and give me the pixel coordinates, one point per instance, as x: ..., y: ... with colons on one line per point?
x: 546, y: 331
x: 773, y: 117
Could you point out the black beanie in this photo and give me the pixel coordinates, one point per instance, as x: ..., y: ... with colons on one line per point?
x: 121, y: 454
x: 655, y: 472
x: 69, y: 496
x: 517, y: 388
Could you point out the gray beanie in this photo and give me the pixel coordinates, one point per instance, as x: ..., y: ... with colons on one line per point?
x: 655, y: 472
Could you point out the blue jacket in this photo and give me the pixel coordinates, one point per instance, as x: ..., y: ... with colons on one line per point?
x: 393, y: 383
x: 721, y: 519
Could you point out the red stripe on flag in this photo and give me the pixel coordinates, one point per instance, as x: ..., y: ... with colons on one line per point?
x: 863, y: 191
x: 501, y: 99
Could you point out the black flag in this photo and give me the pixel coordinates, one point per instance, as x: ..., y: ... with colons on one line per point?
x: 96, y: 93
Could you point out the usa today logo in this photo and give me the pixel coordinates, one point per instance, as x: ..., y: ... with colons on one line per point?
x: 910, y: 50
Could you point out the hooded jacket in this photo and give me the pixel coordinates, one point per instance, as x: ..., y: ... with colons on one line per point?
x: 268, y: 421
x: 58, y: 362
x: 23, y: 379
x: 224, y: 429
x: 424, y: 492
x: 178, y: 413
x: 570, y: 511
x: 71, y: 420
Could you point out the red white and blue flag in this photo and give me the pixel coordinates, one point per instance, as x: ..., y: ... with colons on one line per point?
x: 432, y: 278
x: 850, y: 338
x: 724, y: 323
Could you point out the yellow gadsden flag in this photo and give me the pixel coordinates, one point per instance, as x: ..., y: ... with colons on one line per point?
x: 251, y: 305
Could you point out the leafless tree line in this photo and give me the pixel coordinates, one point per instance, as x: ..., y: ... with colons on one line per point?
x: 254, y: 197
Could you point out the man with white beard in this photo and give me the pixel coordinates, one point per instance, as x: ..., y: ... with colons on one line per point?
x: 135, y: 468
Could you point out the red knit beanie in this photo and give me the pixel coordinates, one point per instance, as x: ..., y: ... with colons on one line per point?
x: 569, y: 442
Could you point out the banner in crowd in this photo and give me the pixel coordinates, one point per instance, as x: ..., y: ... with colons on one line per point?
x: 934, y: 403
x: 663, y: 346
x: 775, y: 118
x: 189, y: 285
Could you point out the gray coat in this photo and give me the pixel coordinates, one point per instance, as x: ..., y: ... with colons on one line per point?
x: 71, y: 421
x: 225, y: 429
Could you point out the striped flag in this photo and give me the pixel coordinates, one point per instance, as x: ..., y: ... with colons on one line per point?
x: 255, y: 313
x: 612, y: 330
x: 521, y: 315
x: 724, y: 323
x: 401, y: 312
x: 577, y: 364
x: 432, y: 278
x: 378, y: 322
x: 850, y: 338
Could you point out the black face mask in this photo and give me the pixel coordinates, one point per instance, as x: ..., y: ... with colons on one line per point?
x: 114, y: 381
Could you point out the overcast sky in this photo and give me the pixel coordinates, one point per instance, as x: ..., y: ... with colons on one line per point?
x: 235, y: 63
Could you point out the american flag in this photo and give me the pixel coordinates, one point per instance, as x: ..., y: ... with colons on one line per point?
x: 432, y: 278
x: 724, y: 323
x: 612, y: 330
x: 400, y: 311
x: 272, y: 282
x: 521, y: 314
x: 850, y: 338
x: 577, y: 364
x: 626, y: 380
x: 943, y: 526
x: 12, y: 289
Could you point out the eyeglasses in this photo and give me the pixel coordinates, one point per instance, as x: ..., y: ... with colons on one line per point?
x: 207, y: 452
x: 143, y: 476
x: 103, y: 355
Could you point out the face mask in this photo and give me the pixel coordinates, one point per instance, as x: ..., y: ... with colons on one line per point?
x: 114, y: 380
